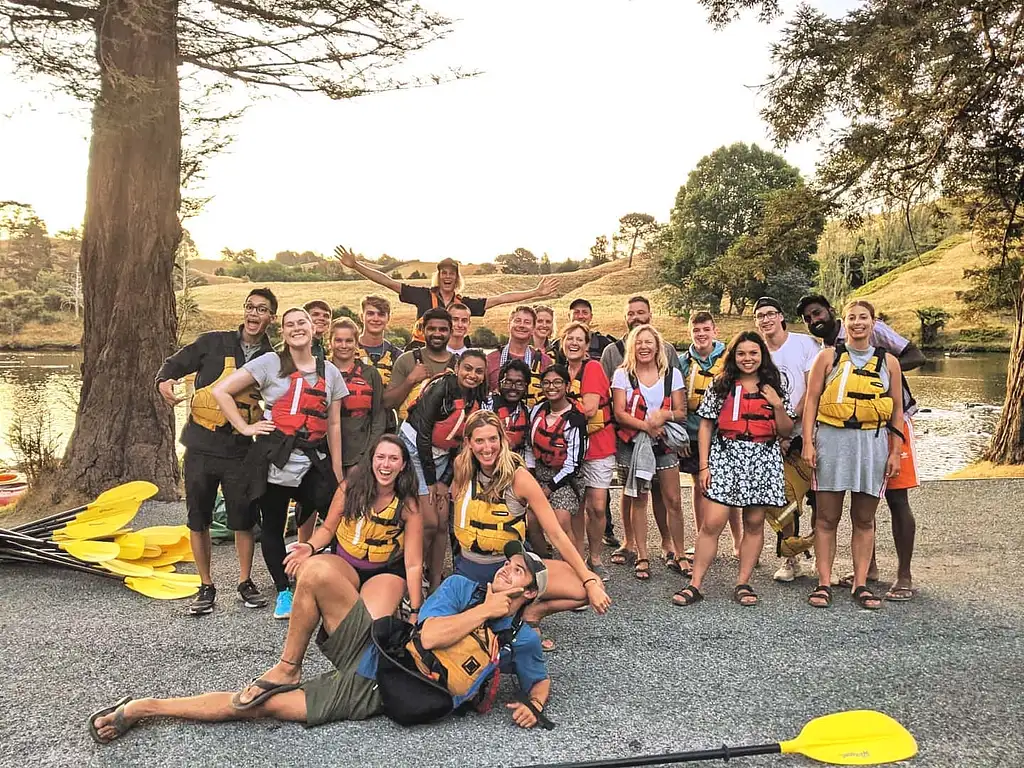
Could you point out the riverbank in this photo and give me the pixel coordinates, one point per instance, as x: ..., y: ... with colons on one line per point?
x: 986, y: 470
x: 944, y: 664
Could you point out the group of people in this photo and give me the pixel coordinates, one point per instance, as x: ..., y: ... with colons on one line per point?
x: 507, y: 458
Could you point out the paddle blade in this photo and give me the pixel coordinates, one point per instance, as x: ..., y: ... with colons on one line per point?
x: 860, y: 737
x: 163, y: 568
x: 183, y: 549
x: 139, y: 490
x: 132, y: 546
x: 165, y: 558
x: 91, y: 551
x: 102, y: 526
x: 122, y: 568
x: 164, y: 535
x: 191, y: 579
x: 160, y: 589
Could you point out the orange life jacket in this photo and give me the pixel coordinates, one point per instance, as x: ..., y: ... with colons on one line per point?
x: 359, y: 400
x: 515, y: 422
x: 303, y: 408
x: 549, y: 445
x: 435, y: 302
x: 746, y: 416
x: 603, y: 416
x: 636, y: 406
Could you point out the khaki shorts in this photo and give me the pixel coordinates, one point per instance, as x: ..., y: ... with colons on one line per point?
x: 598, y: 473
x: 343, y: 694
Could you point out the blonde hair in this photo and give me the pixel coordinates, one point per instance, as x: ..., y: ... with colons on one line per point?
x: 575, y: 325
x: 538, y: 308
x: 344, y: 322
x: 629, y: 356
x: 466, y: 464
x: 859, y: 303
x: 435, y: 279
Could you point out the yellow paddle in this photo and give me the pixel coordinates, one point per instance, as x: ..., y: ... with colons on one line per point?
x: 123, y: 568
x: 859, y: 737
x: 86, y: 551
x: 132, y: 546
x: 191, y: 579
x: 163, y: 535
x: 165, y: 558
x: 160, y: 589
x: 108, y: 502
x: 100, y: 526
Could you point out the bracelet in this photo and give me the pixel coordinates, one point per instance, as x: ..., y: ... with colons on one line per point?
x: 312, y: 549
x: 592, y: 578
x: 701, y: 469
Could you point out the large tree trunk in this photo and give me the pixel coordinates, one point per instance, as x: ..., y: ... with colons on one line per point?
x: 124, y: 431
x: 1007, y: 445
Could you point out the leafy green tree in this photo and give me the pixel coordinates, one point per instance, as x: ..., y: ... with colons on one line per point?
x: 932, y: 320
x: 599, y: 251
x: 417, y: 275
x: 244, y: 256
x: 634, y: 228
x: 723, y: 199
x: 144, y: 66
x: 544, y: 267
x: 487, y: 268
x: 910, y: 102
x: 519, y: 262
x: 24, y: 244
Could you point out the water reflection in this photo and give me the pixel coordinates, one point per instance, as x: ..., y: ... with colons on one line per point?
x: 959, y: 397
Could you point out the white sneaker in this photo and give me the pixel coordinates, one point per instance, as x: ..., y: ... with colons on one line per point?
x: 788, y: 571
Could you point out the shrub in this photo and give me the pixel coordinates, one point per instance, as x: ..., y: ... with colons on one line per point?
x: 417, y: 275
x: 983, y: 334
x: 396, y: 275
x: 932, y: 320
x: 398, y: 336
x: 52, y: 301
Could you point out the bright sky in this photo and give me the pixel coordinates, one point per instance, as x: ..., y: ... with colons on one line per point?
x: 586, y: 110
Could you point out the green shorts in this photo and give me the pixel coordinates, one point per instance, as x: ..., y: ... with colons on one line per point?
x: 343, y: 694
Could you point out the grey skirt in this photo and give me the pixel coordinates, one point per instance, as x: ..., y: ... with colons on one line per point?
x: 850, y: 459
x: 567, y: 497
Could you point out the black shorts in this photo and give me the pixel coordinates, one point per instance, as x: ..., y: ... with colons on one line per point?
x: 690, y: 465
x: 395, y: 568
x: 204, y: 474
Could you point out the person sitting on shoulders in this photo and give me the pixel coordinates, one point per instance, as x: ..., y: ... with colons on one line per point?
x: 491, y: 490
x: 743, y: 413
x: 445, y: 290
x: 433, y: 435
x: 350, y: 639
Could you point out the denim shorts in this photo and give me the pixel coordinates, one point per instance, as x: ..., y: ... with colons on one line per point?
x: 440, y: 465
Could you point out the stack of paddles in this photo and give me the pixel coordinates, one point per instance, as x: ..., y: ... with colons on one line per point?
x: 96, y: 539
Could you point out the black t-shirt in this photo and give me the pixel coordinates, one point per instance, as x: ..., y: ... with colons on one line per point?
x: 420, y: 296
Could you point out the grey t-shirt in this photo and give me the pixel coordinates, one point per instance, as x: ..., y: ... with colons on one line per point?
x: 265, y: 369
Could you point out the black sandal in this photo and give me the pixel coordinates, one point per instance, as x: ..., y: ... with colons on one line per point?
x: 120, y: 725
x: 644, y: 573
x: 267, y: 690
x: 688, y: 595
x: 863, y: 596
x: 670, y: 562
x: 824, y: 592
x: 744, y: 590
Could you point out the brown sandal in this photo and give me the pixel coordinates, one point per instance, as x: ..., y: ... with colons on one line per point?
x: 621, y: 556
x: 742, y: 592
x: 642, y: 569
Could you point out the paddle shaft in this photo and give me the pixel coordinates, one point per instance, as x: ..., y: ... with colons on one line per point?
x: 43, y: 522
x: 722, y: 753
x: 16, y: 537
x: 29, y: 555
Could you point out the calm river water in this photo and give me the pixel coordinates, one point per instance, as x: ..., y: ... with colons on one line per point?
x: 961, y: 397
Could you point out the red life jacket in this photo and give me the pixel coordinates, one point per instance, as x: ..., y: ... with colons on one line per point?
x: 447, y: 432
x: 549, y: 445
x: 303, y: 408
x: 515, y: 422
x: 636, y: 406
x: 746, y: 416
x: 359, y: 400
x: 603, y: 416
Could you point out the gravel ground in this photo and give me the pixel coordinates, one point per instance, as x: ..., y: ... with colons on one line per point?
x: 646, y: 678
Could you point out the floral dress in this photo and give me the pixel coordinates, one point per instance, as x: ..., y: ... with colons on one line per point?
x: 743, y: 473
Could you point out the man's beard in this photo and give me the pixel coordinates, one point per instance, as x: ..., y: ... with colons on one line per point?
x: 823, y: 329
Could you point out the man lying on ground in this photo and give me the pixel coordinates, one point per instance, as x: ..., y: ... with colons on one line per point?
x: 456, y: 610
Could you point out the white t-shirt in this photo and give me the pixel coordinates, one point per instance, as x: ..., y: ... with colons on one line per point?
x: 652, y: 395
x: 794, y: 359
x: 265, y: 369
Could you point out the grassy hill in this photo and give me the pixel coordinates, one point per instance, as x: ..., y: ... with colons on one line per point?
x: 930, y: 280
x: 933, y: 279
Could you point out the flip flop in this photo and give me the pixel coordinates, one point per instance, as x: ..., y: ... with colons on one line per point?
x: 268, y: 689
x: 120, y: 726
x: 847, y: 581
x: 900, y: 594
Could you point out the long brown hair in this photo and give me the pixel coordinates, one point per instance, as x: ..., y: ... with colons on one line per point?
x: 361, y: 484
x: 288, y: 366
x: 466, y: 464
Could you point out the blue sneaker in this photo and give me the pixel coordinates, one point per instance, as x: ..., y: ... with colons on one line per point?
x: 283, y: 607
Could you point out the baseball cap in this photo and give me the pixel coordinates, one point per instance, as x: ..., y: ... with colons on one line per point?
x: 533, y: 563
x: 767, y: 301
x: 580, y: 303
x: 447, y: 262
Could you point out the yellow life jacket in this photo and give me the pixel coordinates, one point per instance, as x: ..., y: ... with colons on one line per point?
x: 384, y: 364
x: 854, y: 398
x: 206, y: 413
x: 376, y: 537
x: 416, y: 391
x: 462, y: 666
x: 485, y: 527
x: 698, y: 379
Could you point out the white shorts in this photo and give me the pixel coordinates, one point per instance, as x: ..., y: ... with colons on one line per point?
x: 598, y: 473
